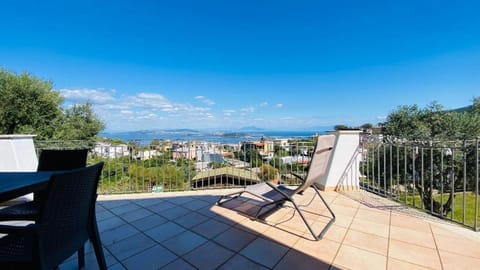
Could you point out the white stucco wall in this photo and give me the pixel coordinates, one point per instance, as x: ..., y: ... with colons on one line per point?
x: 343, y: 170
x: 17, y: 153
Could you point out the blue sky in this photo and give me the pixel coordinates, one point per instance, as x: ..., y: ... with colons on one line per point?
x: 228, y: 64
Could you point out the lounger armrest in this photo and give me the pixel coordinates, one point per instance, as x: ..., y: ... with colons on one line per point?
x: 319, y: 151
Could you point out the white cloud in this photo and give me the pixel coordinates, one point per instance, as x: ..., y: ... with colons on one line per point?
x: 263, y: 104
x: 150, y: 100
x: 112, y: 106
x: 228, y: 112
x: 279, y: 105
x: 205, y: 100
x: 96, y: 96
x: 248, y: 109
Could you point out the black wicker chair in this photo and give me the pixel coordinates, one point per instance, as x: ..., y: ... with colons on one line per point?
x: 66, y: 221
x: 49, y: 160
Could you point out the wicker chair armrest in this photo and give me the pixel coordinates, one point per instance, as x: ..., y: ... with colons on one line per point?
x: 10, y: 229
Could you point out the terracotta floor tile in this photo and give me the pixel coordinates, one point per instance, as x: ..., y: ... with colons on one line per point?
x: 240, y: 262
x: 461, y: 246
x: 344, y: 210
x: 366, y: 241
x: 125, y: 208
x: 110, y: 223
x: 324, y: 250
x: 184, y: 243
x: 394, y: 264
x: 362, y: 225
x: 455, y: 261
x: 190, y: 220
x: 253, y: 226
x: 180, y: 199
x: 164, y: 231
x: 118, y: 234
x: 408, y: 222
x: 277, y: 216
x: 174, y: 213
x: 152, y: 258
x: 136, y: 214
x: 232, y: 215
x: 287, y: 238
x: 382, y: 217
x: 196, y: 205
x: 149, y: 222
x: 177, y: 265
x: 235, y: 239
x: 264, y: 252
x: 207, y: 211
x: 160, y: 207
x: 111, y: 204
x: 300, y: 261
x: 343, y: 220
x: 341, y: 200
x: 355, y: 258
x: 147, y: 202
x: 371, y: 227
x: 335, y: 233
x: 414, y: 254
x: 210, y: 228
x: 104, y: 215
x: 131, y: 246
x: 424, y: 239
x: 208, y: 256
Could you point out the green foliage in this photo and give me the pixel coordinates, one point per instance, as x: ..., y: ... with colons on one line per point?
x: 251, y: 156
x: 340, y: 127
x: 78, y: 123
x: 29, y: 105
x: 433, y: 122
x: 280, y: 151
x: 366, y: 126
x: 121, y: 175
x: 268, y: 172
x: 277, y: 163
x: 436, y: 130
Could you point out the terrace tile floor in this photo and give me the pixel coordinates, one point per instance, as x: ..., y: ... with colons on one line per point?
x: 186, y: 230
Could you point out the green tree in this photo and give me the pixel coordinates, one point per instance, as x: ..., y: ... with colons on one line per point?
x: 366, y: 126
x: 341, y: 127
x: 78, y: 123
x: 28, y: 105
x: 434, y: 122
x: 446, y: 134
x: 268, y: 172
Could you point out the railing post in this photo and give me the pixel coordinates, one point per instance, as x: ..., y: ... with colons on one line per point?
x: 476, y: 183
x: 431, y: 177
x: 414, y: 148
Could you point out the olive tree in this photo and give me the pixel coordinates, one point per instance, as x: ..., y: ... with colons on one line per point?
x: 30, y: 105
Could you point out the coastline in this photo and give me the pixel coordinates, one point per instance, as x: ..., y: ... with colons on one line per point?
x: 145, y: 137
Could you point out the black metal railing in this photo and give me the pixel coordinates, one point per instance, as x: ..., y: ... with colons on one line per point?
x: 439, y: 177
x: 189, y: 165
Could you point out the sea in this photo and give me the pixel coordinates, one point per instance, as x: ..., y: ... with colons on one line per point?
x: 223, y: 137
